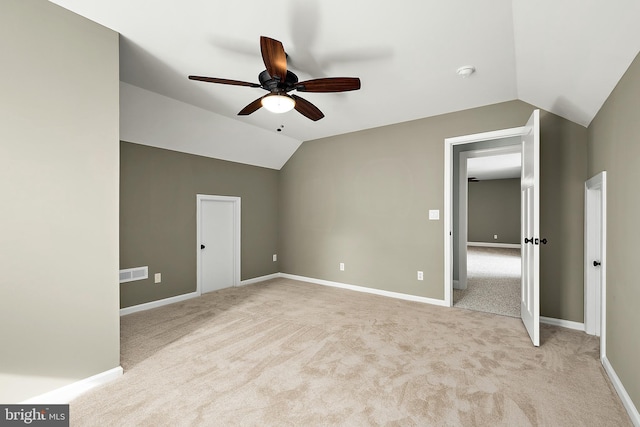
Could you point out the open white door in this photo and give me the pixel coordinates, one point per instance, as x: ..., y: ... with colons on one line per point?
x: 530, y: 225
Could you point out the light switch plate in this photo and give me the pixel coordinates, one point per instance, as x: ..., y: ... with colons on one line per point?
x: 434, y: 214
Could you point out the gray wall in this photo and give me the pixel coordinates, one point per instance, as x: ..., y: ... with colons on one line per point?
x: 614, y: 146
x: 363, y: 199
x: 158, y: 191
x: 563, y: 171
x: 494, y: 208
x: 59, y: 209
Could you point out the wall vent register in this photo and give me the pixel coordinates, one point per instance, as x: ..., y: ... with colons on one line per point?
x: 131, y: 274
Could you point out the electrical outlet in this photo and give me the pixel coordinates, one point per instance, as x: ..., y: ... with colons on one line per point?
x: 342, y: 266
x: 157, y: 278
x: 495, y: 237
x: 420, y: 275
x: 275, y: 257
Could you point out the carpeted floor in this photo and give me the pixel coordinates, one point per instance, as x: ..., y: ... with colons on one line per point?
x: 286, y: 353
x: 493, y: 281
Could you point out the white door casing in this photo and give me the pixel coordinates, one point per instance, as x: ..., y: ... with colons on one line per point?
x: 595, y: 232
x: 218, y: 242
x: 530, y: 223
x: 448, y: 199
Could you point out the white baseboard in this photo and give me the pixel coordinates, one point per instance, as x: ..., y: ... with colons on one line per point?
x: 622, y: 392
x: 66, y: 394
x: 178, y: 298
x: 147, y: 306
x: 564, y: 323
x: 166, y: 301
x: 356, y: 288
x: 159, y: 303
x: 259, y: 279
x: 495, y: 245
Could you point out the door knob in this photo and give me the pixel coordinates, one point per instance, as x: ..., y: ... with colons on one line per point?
x: 527, y: 240
x: 202, y: 246
x: 596, y: 263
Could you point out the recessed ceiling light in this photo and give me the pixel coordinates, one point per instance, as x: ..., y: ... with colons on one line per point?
x: 466, y: 71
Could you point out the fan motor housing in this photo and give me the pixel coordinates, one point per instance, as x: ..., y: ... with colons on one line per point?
x: 272, y: 85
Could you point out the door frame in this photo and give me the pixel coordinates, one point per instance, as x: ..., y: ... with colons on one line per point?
x: 449, y: 144
x: 236, y: 202
x: 595, y: 216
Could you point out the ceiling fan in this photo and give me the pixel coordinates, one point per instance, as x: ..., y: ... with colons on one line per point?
x: 279, y: 81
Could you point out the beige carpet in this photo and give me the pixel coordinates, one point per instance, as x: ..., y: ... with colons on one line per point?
x: 286, y: 353
x: 493, y: 281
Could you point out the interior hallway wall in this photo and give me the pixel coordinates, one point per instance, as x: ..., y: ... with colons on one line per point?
x: 494, y: 209
x: 614, y: 146
x: 59, y: 147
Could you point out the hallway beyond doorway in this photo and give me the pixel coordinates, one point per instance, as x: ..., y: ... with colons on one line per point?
x: 494, y: 281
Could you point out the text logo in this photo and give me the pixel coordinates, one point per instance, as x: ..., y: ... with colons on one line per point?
x: 34, y: 415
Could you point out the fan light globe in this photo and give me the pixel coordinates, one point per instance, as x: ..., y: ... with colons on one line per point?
x: 278, y: 103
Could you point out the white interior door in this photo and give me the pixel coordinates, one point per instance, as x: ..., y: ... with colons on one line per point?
x: 217, y: 243
x: 595, y: 258
x: 530, y: 225
x: 593, y: 245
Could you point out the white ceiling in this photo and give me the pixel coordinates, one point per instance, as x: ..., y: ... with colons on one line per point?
x: 563, y: 56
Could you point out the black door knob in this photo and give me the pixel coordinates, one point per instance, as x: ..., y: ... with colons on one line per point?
x: 201, y: 246
x: 596, y: 263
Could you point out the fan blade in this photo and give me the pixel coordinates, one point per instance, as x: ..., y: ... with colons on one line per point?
x: 274, y: 57
x: 307, y: 109
x: 251, y: 108
x: 329, y: 84
x: 223, y: 81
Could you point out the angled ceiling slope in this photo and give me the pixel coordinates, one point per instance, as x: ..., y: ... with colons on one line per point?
x: 565, y: 57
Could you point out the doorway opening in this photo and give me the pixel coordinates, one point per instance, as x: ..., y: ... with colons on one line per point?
x: 455, y: 240
x: 487, y: 200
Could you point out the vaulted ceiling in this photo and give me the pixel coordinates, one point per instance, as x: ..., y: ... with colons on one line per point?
x: 563, y: 56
